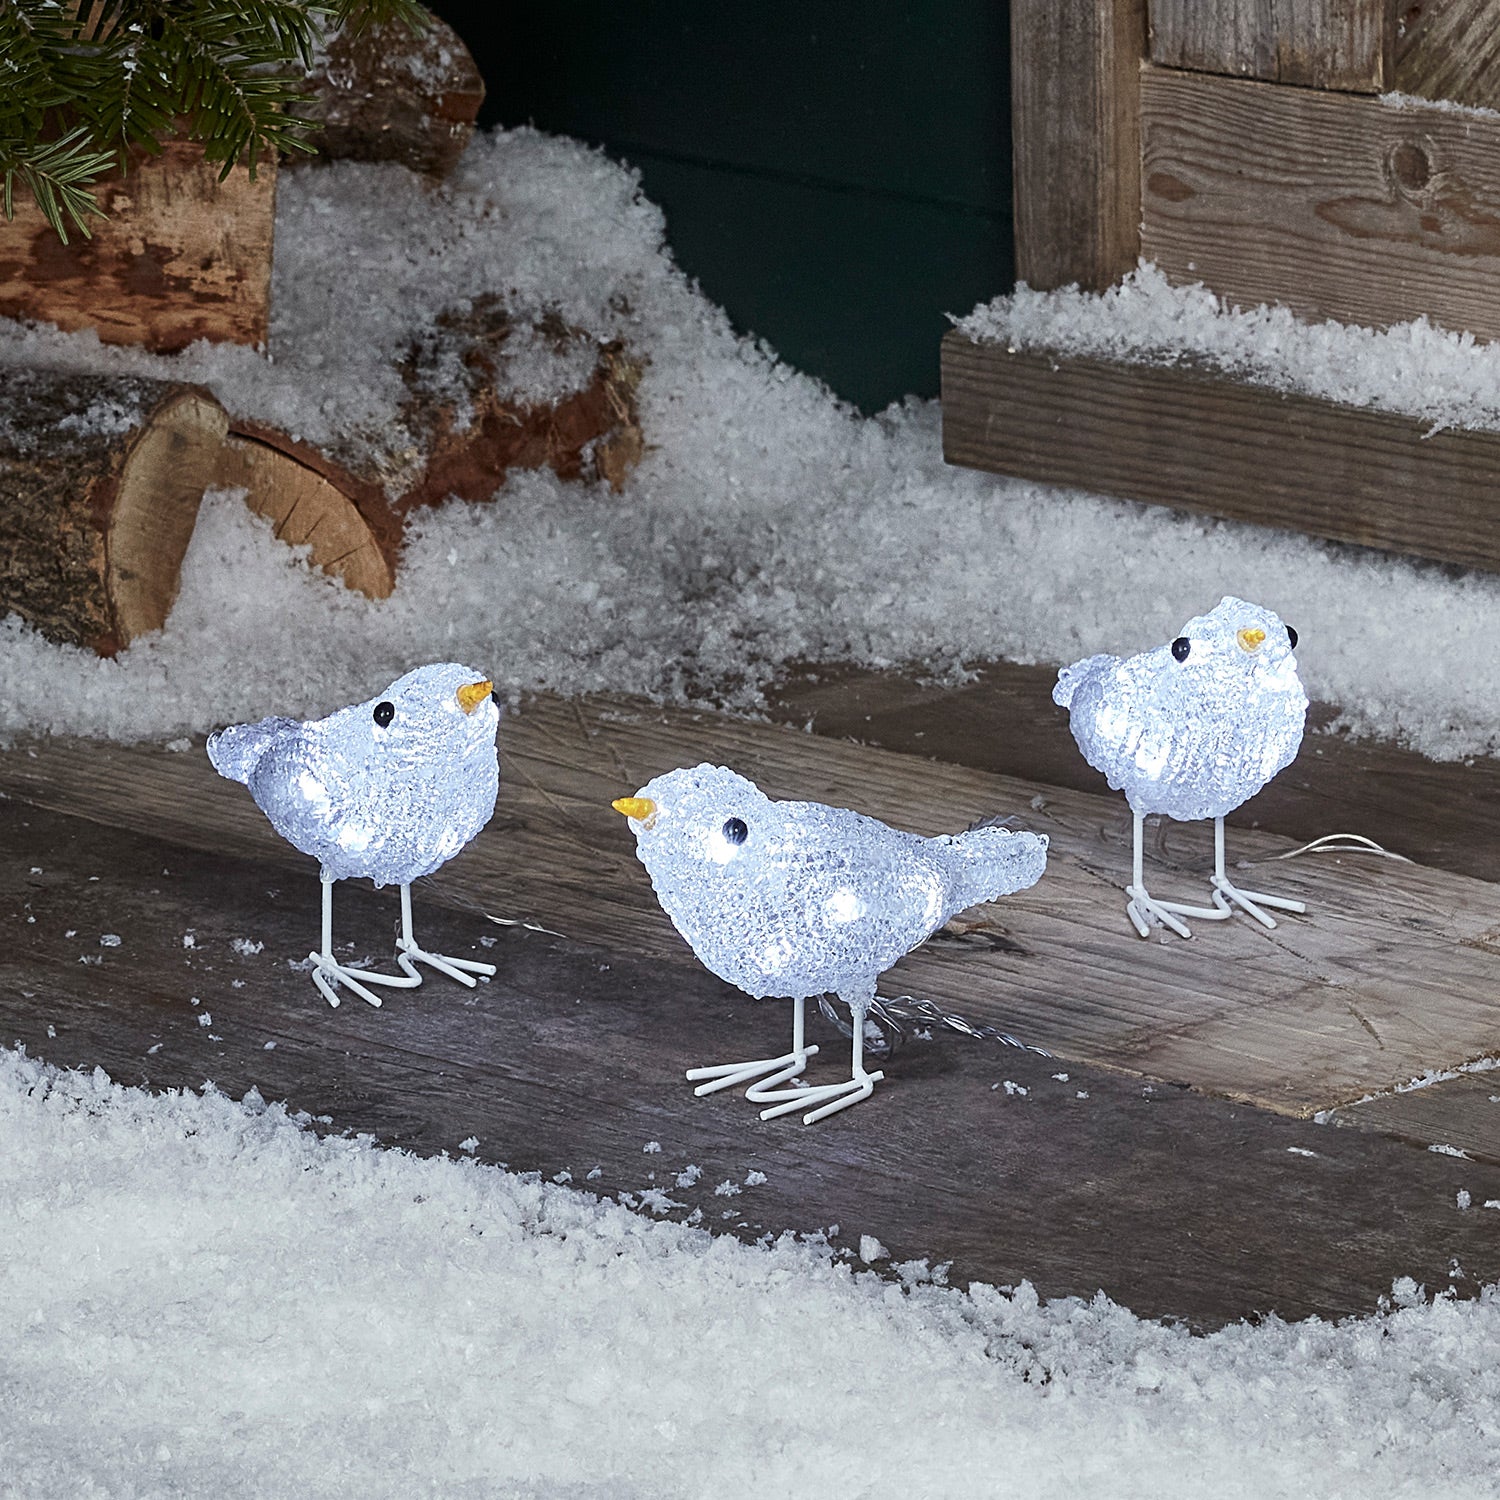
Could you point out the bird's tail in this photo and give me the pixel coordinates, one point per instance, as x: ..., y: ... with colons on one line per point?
x: 995, y: 862
x: 235, y: 751
x: 1069, y: 678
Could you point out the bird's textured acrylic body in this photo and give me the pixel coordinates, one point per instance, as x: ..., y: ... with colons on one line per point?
x: 796, y: 899
x: 1192, y: 736
x: 812, y: 899
x: 387, y: 790
x: 386, y: 801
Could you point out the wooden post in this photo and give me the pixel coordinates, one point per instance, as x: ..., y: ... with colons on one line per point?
x: 1074, y: 67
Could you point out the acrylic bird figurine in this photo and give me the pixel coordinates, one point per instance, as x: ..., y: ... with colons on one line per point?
x: 387, y: 790
x: 1192, y: 730
x: 798, y: 899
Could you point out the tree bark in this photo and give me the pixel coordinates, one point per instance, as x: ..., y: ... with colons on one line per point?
x: 100, y: 480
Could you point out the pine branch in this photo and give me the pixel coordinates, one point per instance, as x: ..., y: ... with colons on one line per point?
x: 77, y: 88
x: 57, y: 174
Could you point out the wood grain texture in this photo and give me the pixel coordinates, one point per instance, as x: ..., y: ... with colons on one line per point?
x: 1458, y: 1114
x: 1075, y: 124
x: 1326, y: 44
x: 1448, y: 49
x: 182, y: 256
x: 1388, y: 976
x: 307, y: 508
x: 1002, y: 719
x: 1332, y: 205
x: 571, y: 1059
x: 1188, y: 437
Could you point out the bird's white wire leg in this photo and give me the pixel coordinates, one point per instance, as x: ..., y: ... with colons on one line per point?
x: 326, y: 967
x: 1226, y: 891
x: 773, y: 1071
x: 410, y: 955
x: 829, y: 1098
x: 1144, y: 909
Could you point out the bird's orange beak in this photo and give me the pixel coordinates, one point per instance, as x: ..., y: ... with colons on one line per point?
x: 472, y: 694
x: 1250, y: 640
x: 641, y: 810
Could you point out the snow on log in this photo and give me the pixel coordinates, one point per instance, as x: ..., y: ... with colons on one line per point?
x: 100, y: 480
x: 490, y: 391
x: 388, y: 95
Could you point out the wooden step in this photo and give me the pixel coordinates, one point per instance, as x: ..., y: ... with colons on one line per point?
x: 1190, y: 437
x: 1394, y: 972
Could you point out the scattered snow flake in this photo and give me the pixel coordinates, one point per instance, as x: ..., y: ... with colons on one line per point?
x: 36, y: 870
x: 1300, y: 1151
x: 871, y: 1250
x: 562, y: 1176
x: 469, y: 1144
x: 1443, y: 1150
x: 269, y: 1047
x: 754, y: 1178
x: 593, y: 1174
x: 1014, y: 1089
x: 1081, y: 1094
x: 109, y: 939
x: 247, y: 947
x: 189, y: 940
x: 1463, y: 1198
x: 657, y: 1201
x: 51, y: 1030
x: 205, y: 1018
x: 153, y: 1049
x: 651, y: 1148
x: 727, y: 1189
x: 71, y: 932
x: 90, y: 958
x: 181, y: 743
x: 688, y: 1176
x: 1060, y: 1077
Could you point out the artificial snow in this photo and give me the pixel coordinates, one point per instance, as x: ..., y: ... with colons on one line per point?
x: 204, y: 1298
x: 766, y: 524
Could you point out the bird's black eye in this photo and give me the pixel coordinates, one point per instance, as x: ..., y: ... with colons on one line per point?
x: 1291, y: 635
x: 1180, y: 648
x: 384, y: 713
x: 734, y: 830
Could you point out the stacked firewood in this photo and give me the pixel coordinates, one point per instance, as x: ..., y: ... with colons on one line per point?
x: 101, y: 476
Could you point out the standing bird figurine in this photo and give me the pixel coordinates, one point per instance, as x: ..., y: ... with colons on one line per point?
x: 1192, y: 730
x: 388, y: 790
x: 797, y: 899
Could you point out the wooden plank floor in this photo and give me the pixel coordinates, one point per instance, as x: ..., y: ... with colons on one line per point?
x: 1446, y: 815
x: 1394, y: 973
x: 1176, y: 1204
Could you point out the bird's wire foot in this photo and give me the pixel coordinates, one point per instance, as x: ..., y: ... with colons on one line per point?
x: 1225, y: 891
x: 408, y: 956
x: 828, y: 1097
x: 326, y: 967
x: 771, y: 1071
x: 1145, y: 911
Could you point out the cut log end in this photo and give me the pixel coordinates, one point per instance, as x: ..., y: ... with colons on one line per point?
x: 306, y: 508
x: 100, y: 480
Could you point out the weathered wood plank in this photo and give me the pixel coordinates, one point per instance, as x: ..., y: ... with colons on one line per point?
x: 1449, y: 49
x: 1333, y: 205
x: 1175, y: 1205
x: 1391, y: 974
x: 1074, y: 112
x: 1326, y: 44
x: 1459, y: 1114
x: 182, y: 256
x: 1444, y: 814
x: 1188, y: 437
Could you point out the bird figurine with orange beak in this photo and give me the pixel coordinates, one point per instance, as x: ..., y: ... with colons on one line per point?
x: 1192, y: 730
x: 386, y: 790
x: 799, y: 899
